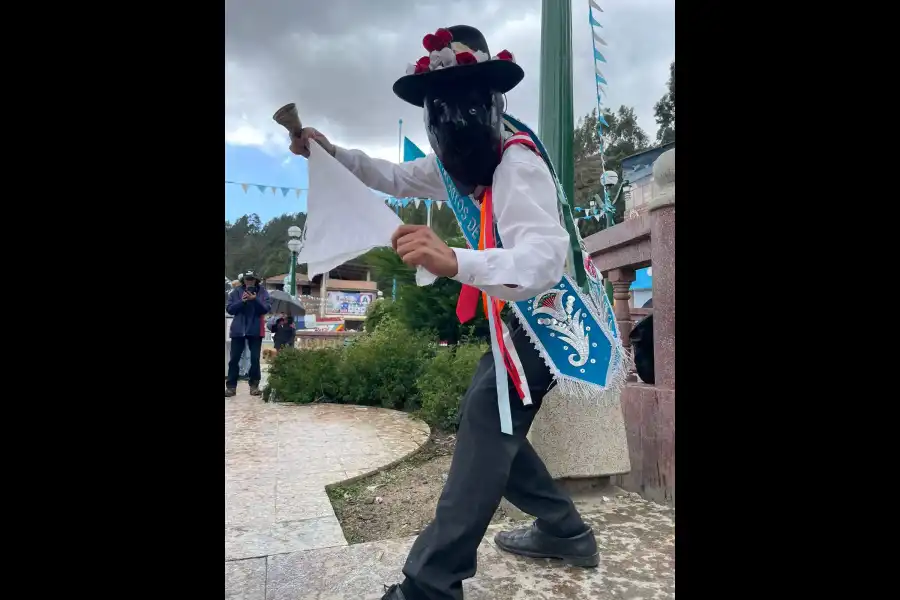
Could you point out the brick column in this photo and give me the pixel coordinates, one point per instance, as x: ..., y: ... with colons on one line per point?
x: 662, y: 243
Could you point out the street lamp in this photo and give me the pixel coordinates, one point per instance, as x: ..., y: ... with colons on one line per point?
x: 294, y: 245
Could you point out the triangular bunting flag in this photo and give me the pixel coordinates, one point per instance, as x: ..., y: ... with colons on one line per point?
x: 428, y: 203
x: 416, y: 202
x: 284, y: 191
x: 600, y: 80
x: 600, y: 39
x: 298, y: 190
x: 598, y: 56
x: 595, y: 6
x: 404, y: 203
x: 596, y: 217
x: 599, y: 72
x: 440, y: 203
x: 594, y: 22
x: 602, y: 120
x: 262, y: 189
x: 411, y: 151
x: 274, y: 190
x: 245, y: 186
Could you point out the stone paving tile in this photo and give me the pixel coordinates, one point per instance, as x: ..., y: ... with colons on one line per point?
x: 256, y: 540
x: 636, y: 541
x: 297, y: 500
x: 280, y: 457
x: 245, y: 579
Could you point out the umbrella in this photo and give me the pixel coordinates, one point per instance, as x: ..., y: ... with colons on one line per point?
x: 283, y: 303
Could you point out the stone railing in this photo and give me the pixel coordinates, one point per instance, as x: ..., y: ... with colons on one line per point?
x: 648, y: 409
x: 307, y: 340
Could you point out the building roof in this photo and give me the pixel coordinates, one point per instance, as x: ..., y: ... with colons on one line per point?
x: 301, y: 278
x: 640, y: 165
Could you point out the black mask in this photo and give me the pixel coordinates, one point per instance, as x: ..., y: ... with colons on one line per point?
x: 464, y: 131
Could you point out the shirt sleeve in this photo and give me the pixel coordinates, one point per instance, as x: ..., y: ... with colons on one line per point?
x: 418, y: 178
x: 535, y: 244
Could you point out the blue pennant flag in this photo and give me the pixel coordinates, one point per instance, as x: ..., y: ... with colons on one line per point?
x: 411, y: 151
x: 284, y: 191
x: 594, y: 22
x: 600, y: 119
x: 427, y: 203
x: 405, y: 202
x: 601, y: 80
x: 598, y: 56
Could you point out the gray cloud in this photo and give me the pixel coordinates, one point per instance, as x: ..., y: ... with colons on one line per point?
x: 337, y: 59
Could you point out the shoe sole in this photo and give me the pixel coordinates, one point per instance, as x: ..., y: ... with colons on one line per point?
x: 585, y: 562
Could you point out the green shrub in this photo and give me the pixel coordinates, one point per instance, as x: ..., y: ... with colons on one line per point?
x: 304, y: 376
x: 445, y: 380
x: 381, y: 367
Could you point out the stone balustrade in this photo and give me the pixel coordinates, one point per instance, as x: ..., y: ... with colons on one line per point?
x: 648, y: 409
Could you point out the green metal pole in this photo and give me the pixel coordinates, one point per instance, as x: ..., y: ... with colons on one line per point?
x: 293, y: 276
x: 556, y: 112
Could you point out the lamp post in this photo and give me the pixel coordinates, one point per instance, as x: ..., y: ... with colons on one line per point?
x: 295, y: 245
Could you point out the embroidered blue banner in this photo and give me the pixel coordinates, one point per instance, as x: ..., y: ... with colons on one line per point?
x: 575, y: 333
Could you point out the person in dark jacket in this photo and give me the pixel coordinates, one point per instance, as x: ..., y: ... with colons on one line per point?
x: 248, y: 304
x: 284, y: 332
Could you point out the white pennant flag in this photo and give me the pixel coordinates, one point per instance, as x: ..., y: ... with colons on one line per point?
x: 439, y: 203
x: 596, y: 217
x: 600, y: 39
x: 417, y: 201
x: 600, y: 73
x: 595, y: 5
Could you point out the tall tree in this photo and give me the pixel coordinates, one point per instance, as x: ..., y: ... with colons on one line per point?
x: 664, y: 110
x: 251, y: 245
x: 623, y: 138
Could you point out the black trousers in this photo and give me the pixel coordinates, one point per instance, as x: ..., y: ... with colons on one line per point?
x: 488, y: 465
x: 234, y: 363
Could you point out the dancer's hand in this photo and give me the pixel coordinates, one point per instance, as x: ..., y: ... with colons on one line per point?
x: 419, y: 245
x: 300, y: 143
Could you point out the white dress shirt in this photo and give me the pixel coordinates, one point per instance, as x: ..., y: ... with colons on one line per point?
x: 535, y: 244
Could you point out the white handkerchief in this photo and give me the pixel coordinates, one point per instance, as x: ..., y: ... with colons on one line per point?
x: 345, y: 219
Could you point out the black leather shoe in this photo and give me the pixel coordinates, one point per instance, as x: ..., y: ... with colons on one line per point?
x: 393, y: 593
x: 578, y: 551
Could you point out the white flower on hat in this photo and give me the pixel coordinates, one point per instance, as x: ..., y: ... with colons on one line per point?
x: 410, y: 69
x: 447, y: 57
x: 435, y: 61
x: 480, y: 56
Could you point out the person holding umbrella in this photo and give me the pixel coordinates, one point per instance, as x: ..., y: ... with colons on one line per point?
x: 248, y: 304
x: 284, y: 330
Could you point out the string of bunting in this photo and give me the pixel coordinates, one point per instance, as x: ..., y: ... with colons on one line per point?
x: 606, y: 208
x: 274, y: 189
x: 268, y: 188
x: 590, y: 212
x: 404, y: 202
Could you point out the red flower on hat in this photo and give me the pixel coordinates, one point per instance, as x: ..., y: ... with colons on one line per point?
x: 440, y: 39
x: 506, y: 55
x: 422, y: 65
x: 465, y: 58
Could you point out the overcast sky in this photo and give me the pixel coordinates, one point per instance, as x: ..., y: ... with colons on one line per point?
x: 337, y: 59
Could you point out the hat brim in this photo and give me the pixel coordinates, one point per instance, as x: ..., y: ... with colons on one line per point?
x: 500, y: 75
